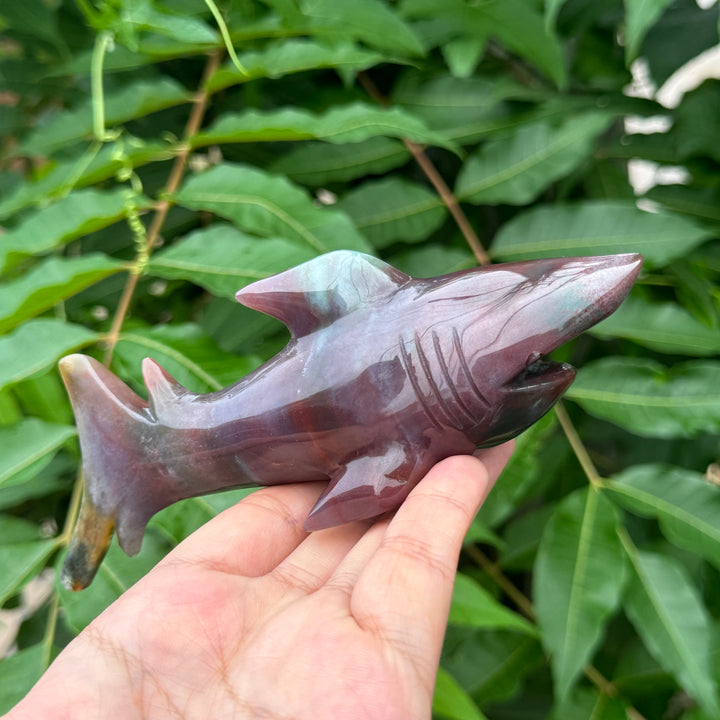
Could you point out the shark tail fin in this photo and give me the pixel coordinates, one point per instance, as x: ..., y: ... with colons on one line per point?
x: 113, y: 424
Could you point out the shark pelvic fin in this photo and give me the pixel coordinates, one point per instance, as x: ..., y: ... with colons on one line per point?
x: 318, y: 292
x: 366, y: 488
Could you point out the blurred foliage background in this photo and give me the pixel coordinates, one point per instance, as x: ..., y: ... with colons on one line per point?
x: 155, y: 157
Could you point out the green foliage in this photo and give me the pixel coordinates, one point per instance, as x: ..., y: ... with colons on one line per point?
x: 132, y: 149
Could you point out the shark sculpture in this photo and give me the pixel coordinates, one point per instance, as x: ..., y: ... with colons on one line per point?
x: 384, y: 375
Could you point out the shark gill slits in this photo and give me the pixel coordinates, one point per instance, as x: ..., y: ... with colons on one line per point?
x: 442, y: 402
x: 466, y: 370
x: 448, y: 381
x: 412, y: 376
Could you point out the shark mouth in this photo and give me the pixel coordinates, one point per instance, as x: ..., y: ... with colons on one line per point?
x: 540, y: 374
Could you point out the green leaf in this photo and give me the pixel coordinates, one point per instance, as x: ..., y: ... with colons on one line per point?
x: 516, y: 169
x: 351, y: 123
x: 552, y: 8
x: 37, y: 344
x: 518, y: 26
x: 579, y: 576
x: 522, y: 30
x: 667, y: 612
x: 461, y: 109
x: 479, y: 533
x: 371, y: 21
x: 95, y: 166
x: 181, y: 27
x: 240, y: 330
x: 431, y: 259
x: 317, y: 163
x: 685, y: 504
x: 15, y: 530
x: 451, y: 701
x: 28, y: 447
x: 640, y: 16
x: 463, y: 54
x: 700, y: 203
x: 20, y: 671
x: 683, y: 32
x: 590, y: 704
x: 182, y: 518
x: 185, y: 352
x: 665, y: 327
x: 293, y: 56
x: 77, y: 214
x: 34, y: 18
x: 21, y: 561
x: 222, y: 259
x: 695, y: 289
x: 520, y: 475
x: 521, y: 538
x: 695, y: 122
x: 490, y: 665
x: 135, y: 100
x: 270, y: 206
x: 649, y: 399
x: 394, y: 209
x: 49, y: 282
x: 597, y: 228
x: 46, y: 484
x: 45, y: 394
x: 473, y: 606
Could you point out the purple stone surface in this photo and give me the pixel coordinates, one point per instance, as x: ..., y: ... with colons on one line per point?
x: 384, y: 376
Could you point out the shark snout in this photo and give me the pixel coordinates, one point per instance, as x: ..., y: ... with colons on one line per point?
x: 596, y: 287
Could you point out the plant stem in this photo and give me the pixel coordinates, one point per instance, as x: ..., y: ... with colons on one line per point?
x: 49, y: 634
x: 521, y: 602
x: 450, y: 202
x: 176, y: 173
x: 577, y: 445
x: 437, y: 181
x: 163, y: 206
x: 604, y: 685
x: 225, y: 35
x: 102, y: 43
x: 73, y: 510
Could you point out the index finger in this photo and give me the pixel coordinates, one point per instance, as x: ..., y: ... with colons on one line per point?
x: 405, y: 589
x: 253, y: 536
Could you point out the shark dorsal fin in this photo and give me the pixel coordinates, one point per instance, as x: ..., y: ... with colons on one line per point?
x: 318, y: 292
x: 163, y: 389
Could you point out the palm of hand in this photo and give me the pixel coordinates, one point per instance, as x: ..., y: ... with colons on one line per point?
x: 252, y: 618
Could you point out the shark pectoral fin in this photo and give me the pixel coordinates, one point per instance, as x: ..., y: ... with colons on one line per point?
x: 362, y: 489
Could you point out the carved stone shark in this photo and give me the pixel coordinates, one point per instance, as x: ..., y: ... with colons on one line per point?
x: 384, y: 375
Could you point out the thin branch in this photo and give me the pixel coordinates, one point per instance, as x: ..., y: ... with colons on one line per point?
x: 192, y: 126
x: 450, y: 202
x: 605, y: 686
x: 163, y: 206
x: 432, y: 174
x: 577, y: 445
x: 521, y: 602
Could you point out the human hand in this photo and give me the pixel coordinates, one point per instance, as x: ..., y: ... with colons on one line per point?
x: 251, y: 617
